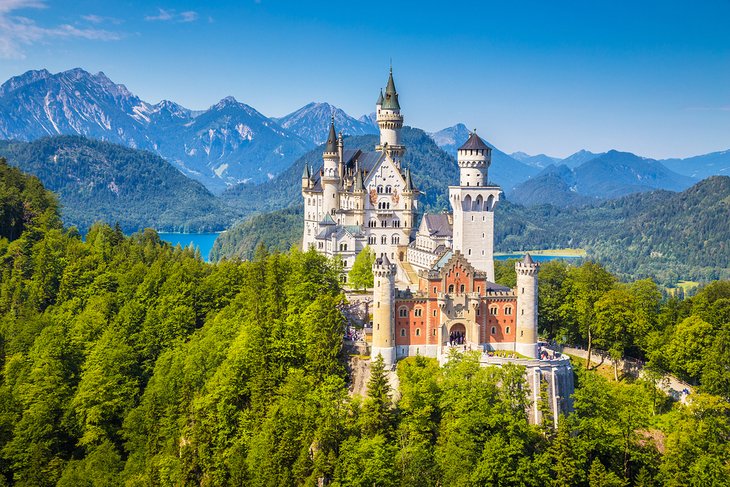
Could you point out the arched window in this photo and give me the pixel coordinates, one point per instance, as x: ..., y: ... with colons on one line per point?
x: 380, y: 189
x: 418, y: 312
x: 372, y: 223
x: 388, y: 189
x: 506, y: 331
x: 372, y: 240
x: 478, y: 203
x: 402, y: 311
x: 451, y: 288
x: 508, y: 310
x: 494, y: 330
x: 402, y: 332
x: 461, y: 288
x: 466, y: 205
x: 384, y: 223
x: 493, y: 310
x: 383, y: 240
x: 418, y: 332
x: 395, y: 240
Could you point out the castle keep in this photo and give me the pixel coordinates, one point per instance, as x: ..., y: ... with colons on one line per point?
x: 434, y: 286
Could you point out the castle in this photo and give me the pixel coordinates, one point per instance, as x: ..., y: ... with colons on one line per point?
x: 434, y: 286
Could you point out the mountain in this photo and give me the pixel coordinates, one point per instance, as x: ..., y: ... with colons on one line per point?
x: 606, y: 176
x: 101, y: 181
x: 370, y: 119
x: 715, y: 163
x: 539, y: 160
x: 505, y: 170
x: 312, y: 121
x: 229, y: 143
x: 580, y: 157
x: 555, y: 185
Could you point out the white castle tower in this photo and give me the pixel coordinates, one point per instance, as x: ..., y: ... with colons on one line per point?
x: 526, y: 338
x: 473, y: 203
x: 331, y: 176
x: 383, y: 312
x: 390, y: 122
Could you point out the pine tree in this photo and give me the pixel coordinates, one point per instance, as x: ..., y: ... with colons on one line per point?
x: 377, y: 413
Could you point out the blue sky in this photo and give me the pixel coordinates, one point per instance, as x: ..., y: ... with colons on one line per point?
x: 545, y: 76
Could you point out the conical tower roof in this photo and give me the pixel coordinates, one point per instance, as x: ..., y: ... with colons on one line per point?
x: 332, y: 138
x: 305, y: 173
x: 527, y: 259
x: 409, y: 180
x: 474, y: 142
x: 359, y: 183
x: 380, y: 98
x: 391, y: 96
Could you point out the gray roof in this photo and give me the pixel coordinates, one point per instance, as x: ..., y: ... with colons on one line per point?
x: 305, y: 172
x: 474, y: 142
x: 327, y: 220
x: 391, y: 96
x: 438, y: 224
x: 332, y: 138
x: 380, y: 98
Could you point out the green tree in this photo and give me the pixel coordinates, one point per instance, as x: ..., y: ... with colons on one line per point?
x: 377, y: 413
x: 361, y: 274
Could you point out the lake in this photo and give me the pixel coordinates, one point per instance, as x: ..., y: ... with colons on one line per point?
x: 202, y: 241
x: 538, y: 257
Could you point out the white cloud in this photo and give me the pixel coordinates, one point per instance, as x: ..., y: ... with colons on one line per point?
x: 99, y: 19
x: 164, y: 15
x: 18, y: 32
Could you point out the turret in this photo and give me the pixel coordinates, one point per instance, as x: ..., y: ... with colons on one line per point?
x: 390, y: 121
x: 306, y: 177
x: 526, y: 329
x: 383, y: 312
x: 330, y: 176
x: 473, y: 203
x: 474, y: 158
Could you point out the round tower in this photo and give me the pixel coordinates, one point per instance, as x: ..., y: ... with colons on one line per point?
x: 330, y: 177
x: 474, y: 158
x: 383, y: 304
x: 526, y: 337
x: 390, y: 120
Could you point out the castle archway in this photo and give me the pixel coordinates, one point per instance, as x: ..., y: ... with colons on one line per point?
x: 457, y: 334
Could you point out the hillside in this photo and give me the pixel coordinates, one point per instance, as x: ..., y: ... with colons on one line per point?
x: 667, y: 235
x: 24, y: 202
x: 100, y: 181
x: 703, y: 166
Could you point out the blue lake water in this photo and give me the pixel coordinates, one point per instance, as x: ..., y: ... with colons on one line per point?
x: 537, y: 258
x: 202, y: 241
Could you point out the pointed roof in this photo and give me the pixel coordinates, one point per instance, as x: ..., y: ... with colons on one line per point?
x: 391, y: 96
x: 359, y: 185
x: 380, y: 98
x: 474, y: 142
x: 527, y: 259
x: 409, y: 180
x: 332, y: 138
x: 327, y: 220
x: 305, y: 173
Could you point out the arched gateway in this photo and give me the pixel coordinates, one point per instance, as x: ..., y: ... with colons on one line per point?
x: 457, y: 334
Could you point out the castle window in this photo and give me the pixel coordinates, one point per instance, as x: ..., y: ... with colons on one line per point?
x: 523, y: 290
x: 469, y: 252
x: 479, y: 311
x: 417, y: 312
x: 383, y: 240
x: 402, y: 311
x: 451, y: 288
x: 434, y: 312
x: 493, y: 310
x: 522, y: 333
x: 479, y: 289
x: 380, y: 189
x: 372, y: 240
x: 402, y: 332
x: 388, y: 189
x: 384, y: 223
x: 494, y: 330
x: 523, y: 311
x: 434, y: 333
x: 418, y: 332
x: 395, y: 239
x: 506, y: 331
x: 461, y: 288
x: 372, y: 223
x: 434, y: 289
x: 508, y: 310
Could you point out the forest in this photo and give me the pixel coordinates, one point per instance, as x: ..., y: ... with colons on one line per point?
x: 126, y: 361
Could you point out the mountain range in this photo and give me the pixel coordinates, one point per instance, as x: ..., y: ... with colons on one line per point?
x: 605, y: 176
x: 232, y: 145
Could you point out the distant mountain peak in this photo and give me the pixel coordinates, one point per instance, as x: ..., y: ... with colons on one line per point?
x: 311, y: 122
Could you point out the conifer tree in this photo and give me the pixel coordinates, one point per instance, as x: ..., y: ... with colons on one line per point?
x: 361, y: 274
x: 377, y: 413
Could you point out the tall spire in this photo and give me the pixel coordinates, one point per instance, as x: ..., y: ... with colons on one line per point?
x: 391, y: 96
x: 380, y: 98
x: 332, y: 138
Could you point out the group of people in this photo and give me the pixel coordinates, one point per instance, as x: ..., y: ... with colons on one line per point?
x: 354, y: 334
x: 548, y: 354
x: 457, y: 338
